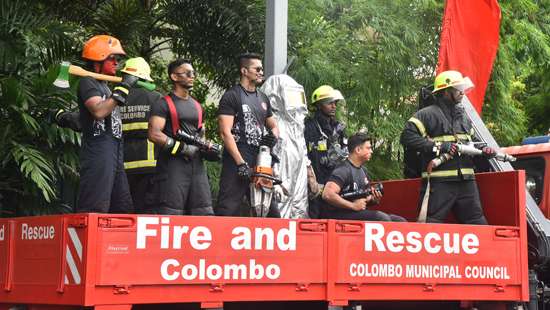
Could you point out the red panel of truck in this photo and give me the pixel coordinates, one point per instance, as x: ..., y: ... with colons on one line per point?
x: 104, y: 259
x: 413, y: 261
x: 96, y: 259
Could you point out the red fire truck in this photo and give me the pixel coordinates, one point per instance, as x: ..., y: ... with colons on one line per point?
x: 120, y: 262
x: 109, y: 261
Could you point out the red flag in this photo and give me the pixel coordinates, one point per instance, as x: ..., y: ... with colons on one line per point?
x: 469, y: 42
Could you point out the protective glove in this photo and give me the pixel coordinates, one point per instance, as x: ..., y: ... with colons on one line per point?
x: 65, y: 119
x: 210, y: 154
x: 244, y: 171
x: 280, y: 194
x: 269, y: 139
x: 448, y: 147
x: 54, y: 116
x: 121, y: 90
x: 188, y: 150
x: 177, y: 148
x: 489, y: 152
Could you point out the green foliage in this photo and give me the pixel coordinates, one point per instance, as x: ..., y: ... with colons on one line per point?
x: 213, y: 33
x: 31, y: 164
x: 378, y: 53
x: 516, y: 103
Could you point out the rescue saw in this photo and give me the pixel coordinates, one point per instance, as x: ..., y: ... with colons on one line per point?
x: 262, y: 183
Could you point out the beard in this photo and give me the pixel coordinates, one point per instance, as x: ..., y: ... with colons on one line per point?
x: 186, y: 85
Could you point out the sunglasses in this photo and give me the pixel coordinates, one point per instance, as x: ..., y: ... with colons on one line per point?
x: 258, y: 69
x: 114, y: 58
x: 189, y: 74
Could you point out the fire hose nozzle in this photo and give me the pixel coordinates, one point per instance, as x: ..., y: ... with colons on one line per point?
x: 505, y: 157
x: 469, y: 149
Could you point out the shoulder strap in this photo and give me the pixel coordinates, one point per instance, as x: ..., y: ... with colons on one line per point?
x: 199, y: 111
x: 173, y: 114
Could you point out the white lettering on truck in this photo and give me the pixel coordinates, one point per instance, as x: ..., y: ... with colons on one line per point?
x: 200, y: 237
x: 171, y: 270
x: 376, y: 239
x: 2, y: 232
x: 37, y: 232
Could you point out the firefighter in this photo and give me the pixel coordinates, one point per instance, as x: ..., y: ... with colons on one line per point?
x: 139, y: 153
x: 436, y: 129
x: 180, y: 186
x: 244, y: 113
x: 326, y: 141
x: 103, y: 183
x: 350, y: 176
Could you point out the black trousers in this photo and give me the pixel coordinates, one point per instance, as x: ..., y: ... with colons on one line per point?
x: 234, y: 189
x: 180, y: 187
x: 460, y: 197
x: 139, y: 184
x: 103, y: 183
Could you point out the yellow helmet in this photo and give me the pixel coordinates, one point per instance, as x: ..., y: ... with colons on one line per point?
x: 325, y: 94
x: 138, y: 67
x: 452, y: 79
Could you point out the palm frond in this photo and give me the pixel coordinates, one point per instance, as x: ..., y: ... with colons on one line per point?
x: 35, y: 167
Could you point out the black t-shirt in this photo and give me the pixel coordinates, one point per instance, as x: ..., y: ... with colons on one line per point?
x: 110, y: 125
x: 188, y: 113
x: 349, y: 177
x: 250, y: 109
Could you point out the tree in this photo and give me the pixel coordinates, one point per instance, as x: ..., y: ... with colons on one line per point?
x: 34, y: 153
x: 378, y: 53
x: 516, y: 103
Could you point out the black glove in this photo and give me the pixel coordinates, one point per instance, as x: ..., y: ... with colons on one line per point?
x: 448, y: 147
x: 244, y: 171
x: 121, y: 91
x: 53, y: 116
x: 210, y: 154
x: 65, y: 119
x: 489, y: 152
x: 269, y: 139
x: 177, y: 148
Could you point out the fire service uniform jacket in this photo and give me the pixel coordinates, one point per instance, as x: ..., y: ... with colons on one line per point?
x: 440, y: 122
x: 139, y: 153
x: 320, y: 133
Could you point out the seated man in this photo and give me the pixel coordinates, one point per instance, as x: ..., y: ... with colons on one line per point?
x: 351, y: 176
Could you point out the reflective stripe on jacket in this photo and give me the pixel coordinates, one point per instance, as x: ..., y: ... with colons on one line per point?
x: 440, y: 122
x: 139, y: 153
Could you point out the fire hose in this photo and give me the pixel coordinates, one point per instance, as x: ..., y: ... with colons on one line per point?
x: 470, y: 149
